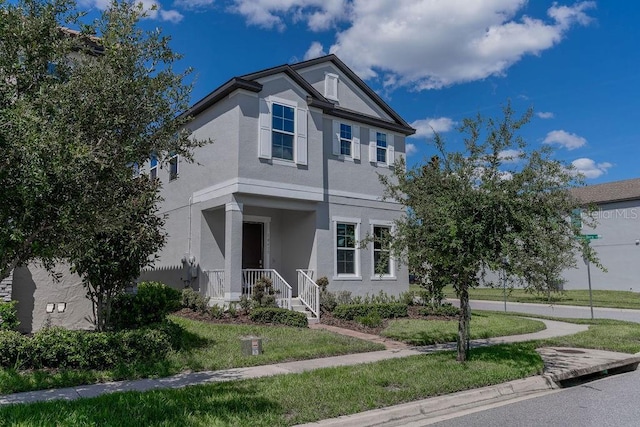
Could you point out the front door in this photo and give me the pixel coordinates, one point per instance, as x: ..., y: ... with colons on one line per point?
x: 252, y: 245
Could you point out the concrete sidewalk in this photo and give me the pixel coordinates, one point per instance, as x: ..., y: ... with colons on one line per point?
x: 562, y: 362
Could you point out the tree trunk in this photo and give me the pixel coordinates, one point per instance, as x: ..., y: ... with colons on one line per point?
x: 463, y: 325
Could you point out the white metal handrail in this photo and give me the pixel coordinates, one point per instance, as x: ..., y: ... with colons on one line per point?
x: 309, y: 292
x: 214, y: 284
x: 280, y: 286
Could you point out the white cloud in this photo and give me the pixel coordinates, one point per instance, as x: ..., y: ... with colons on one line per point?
x: 589, y: 168
x: 570, y: 141
x: 151, y: 8
x: 426, y: 127
x: 411, y: 149
x: 425, y: 44
x: 319, y: 14
x: 510, y: 156
x: 193, y: 4
x: 545, y: 114
x: 314, y: 51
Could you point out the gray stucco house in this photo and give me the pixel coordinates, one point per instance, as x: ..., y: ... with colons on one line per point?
x: 287, y: 189
x: 618, y: 248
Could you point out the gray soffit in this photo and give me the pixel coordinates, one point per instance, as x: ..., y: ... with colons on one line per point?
x: 609, y: 192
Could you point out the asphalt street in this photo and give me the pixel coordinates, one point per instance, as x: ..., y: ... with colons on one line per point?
x: 557, y: 310
x: 610, y: 401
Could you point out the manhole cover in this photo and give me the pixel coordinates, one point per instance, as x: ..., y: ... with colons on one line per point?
x: 569, y: 351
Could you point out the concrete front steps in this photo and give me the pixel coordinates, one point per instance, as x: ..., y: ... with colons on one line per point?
x: 297, y: 305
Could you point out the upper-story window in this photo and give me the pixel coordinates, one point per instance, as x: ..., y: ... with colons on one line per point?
x: 173, y: 167
x: 153, y: 167
x: 282, y: 127
x: 346, y: 140
x: 381, y: 149
x: 283, y: 131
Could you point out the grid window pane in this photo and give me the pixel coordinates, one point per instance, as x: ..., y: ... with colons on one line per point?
x: 346, y: 248
x: 346, y: 137
x: 282, y: 124
x: 381, y: 149
x: 283, y: 118
x: 381, y: 234
x: 282, y: 146
x: 345, y: 147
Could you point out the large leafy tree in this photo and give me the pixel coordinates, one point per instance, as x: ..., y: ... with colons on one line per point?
x: 496, y: 206
x: 79, y: 110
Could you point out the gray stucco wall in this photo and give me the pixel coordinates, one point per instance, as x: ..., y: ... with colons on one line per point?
x: 34, y: 288
x: 618, y: 250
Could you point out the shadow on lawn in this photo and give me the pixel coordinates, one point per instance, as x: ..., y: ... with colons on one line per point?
x: 213, y: 404
x: 521, y: 355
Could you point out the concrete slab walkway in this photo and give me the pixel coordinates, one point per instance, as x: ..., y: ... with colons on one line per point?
x: 559, y: 361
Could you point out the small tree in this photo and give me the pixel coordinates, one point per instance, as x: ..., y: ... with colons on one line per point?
x: 495, y: 206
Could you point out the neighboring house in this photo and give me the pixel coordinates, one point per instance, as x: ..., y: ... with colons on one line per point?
x: 288, y: 188
x: 618, y: 248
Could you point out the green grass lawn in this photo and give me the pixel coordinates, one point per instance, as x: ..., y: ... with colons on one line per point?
x: 613, y: 299
x: 424, y: 332
x: 289, y: 399
x: 207, y: 347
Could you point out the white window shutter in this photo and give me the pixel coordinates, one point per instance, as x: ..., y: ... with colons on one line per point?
x: 264, y: 149
x: 301, y: 136
x: 373, y: 143
x: 355, y: 135
x: 336, y: 137
x: 391, y: 153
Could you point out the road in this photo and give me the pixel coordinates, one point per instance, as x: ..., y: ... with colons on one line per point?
x: 567, y: 311
x: 611, y: 401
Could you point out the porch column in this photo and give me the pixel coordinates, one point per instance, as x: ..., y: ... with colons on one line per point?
x: 233, y: 252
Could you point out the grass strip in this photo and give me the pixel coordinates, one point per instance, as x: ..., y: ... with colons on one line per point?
x: 290, y: 399
x: 425, y: 332
x: 206, y: 346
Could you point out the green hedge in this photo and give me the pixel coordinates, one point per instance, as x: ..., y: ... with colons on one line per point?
x: 280, y: 316
x: 8, y: 316
x: 57, y: 347
x: 149, y: 305
x: 384, y: 310
x: 445, y: 309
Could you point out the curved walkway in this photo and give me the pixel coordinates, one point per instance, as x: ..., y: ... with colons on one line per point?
x: 395, y: 350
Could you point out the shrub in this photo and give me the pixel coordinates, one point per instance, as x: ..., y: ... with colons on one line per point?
x: 343, y: 297
x: 323, y: 282
x: 328, y: 301
x: 245, y: 303
x: 151, y: 304
x: 193, y: 300
x: 280, y: 316
x: 216, y: 311
x: 445, y: 309
x: 408, y: 298
x: 144, y: 345
x: 8, y: 316
x: 232, y: 310
x: 12, y: 349
x: 371, y: 320
x: 385, y: 311
x: 263, y: 293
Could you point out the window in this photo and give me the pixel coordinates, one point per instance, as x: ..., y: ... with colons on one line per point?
x: 381, y: 259
x: 346, y: 248
x: 153, y: 167
x: 173, y: 167
x: 381, y: 147
x: 282, y: 127
x: 345, y: 139
x: 135, y: 169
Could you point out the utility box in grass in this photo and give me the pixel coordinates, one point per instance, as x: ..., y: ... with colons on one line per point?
x: 251, y: 346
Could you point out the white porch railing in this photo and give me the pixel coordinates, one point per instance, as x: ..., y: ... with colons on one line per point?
x: 213, y: 286
x: 309, y: 292
x: 280, y: 286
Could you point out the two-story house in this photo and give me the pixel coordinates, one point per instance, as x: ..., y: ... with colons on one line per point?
x: 288, y: 188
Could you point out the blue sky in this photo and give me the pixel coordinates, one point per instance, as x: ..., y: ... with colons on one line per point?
x: 438, y: 61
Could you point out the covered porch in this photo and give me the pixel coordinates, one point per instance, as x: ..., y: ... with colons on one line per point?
x: 251, y: 238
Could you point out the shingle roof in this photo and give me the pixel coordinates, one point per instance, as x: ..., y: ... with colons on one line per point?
x: 609, y: 192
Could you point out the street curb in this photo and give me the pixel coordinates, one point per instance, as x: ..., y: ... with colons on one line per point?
x: 441, y: 405
x: 616, y: 366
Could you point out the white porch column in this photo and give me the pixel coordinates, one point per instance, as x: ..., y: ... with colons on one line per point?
x: 233, y: 252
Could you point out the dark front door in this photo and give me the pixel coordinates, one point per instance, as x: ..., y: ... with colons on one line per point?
x: 252, y: 244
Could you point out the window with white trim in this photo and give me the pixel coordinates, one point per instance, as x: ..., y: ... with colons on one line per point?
x: 382, y: 264
x: 346, y: 259
x: 153, y: 167
x: 173, y: 167
x: 283, y: 131
x: 381, y: 147
x: 346, y: 140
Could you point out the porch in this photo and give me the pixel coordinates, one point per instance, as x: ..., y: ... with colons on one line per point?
x: 308, y: 292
